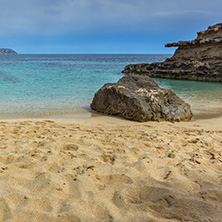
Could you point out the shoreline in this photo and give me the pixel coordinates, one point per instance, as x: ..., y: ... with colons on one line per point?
x: 201, y: 121
x: 197, y: 115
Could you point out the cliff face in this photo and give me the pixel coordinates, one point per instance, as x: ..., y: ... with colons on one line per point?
x: 7, y: 52
x: 199, y: 59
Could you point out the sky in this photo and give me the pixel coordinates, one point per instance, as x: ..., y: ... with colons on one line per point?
x: 102, y: 26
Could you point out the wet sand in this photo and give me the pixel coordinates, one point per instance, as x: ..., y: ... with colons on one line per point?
x: 109, y: 169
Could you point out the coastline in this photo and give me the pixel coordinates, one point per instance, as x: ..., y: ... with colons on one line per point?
x: 86, y: 166
x: 198, y: 59
x: 25, y: 96
x: 93, y: 118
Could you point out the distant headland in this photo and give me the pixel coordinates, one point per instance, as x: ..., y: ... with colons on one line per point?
x: 199, y: 59
x: 7, y: 51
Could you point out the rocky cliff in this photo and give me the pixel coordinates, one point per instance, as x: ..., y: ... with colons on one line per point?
x: 199, y: 59
x: 7, y: 52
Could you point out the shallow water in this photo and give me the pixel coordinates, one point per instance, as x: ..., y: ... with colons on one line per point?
x: 41, y: 85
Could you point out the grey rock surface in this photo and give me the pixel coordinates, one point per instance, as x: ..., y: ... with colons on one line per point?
x: 140, y: 98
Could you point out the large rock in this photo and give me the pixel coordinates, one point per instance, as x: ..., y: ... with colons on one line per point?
x: 140, y: 98
x: 199, y: 59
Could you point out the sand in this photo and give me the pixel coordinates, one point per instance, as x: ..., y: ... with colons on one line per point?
x: 109, y: 169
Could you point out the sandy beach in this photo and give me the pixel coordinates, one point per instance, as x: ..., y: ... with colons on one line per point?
x: 109, y: 169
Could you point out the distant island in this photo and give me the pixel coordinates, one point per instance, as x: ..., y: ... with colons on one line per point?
x: 7, y: 52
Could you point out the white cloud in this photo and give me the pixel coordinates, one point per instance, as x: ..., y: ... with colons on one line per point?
x: 44, y: 17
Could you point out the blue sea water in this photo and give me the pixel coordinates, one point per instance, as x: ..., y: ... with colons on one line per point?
x: 44, y: 85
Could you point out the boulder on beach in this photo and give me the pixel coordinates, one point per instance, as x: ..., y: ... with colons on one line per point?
x: 140, y: 98
x: 199, y: 59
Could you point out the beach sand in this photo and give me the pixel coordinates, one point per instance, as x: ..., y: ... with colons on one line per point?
x: 109, y: 169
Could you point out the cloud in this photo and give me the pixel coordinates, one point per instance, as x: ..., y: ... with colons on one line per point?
x: 45, y: 17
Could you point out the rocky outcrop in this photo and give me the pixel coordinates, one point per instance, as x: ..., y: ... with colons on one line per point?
x: 140, y: 98
x: 7, y: 52
x: 199, y: 59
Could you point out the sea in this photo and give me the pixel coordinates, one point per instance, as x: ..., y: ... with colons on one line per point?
x: 33, y: 86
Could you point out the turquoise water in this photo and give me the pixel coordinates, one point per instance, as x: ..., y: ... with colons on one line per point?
x: 41, y: 85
